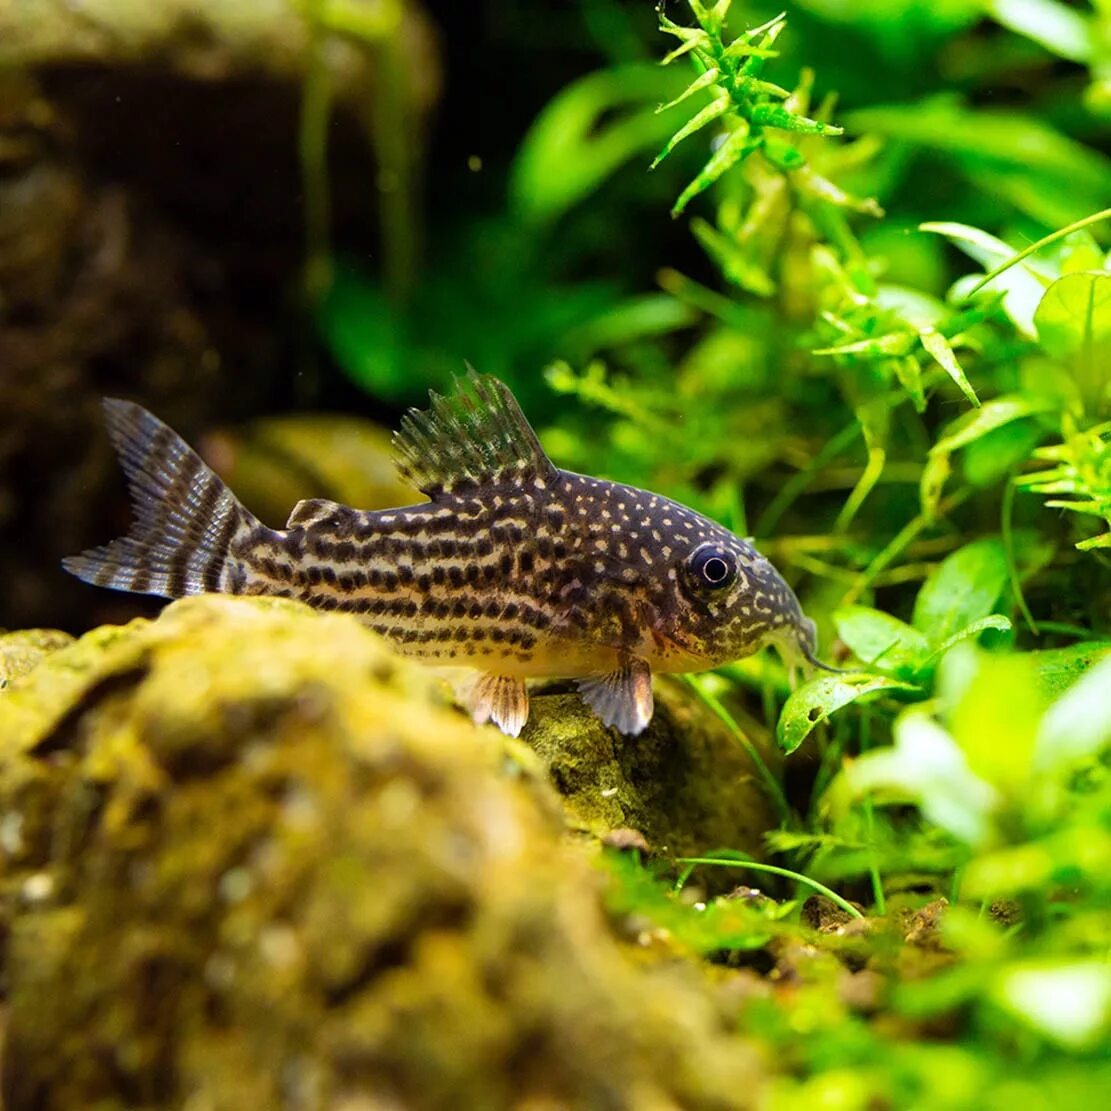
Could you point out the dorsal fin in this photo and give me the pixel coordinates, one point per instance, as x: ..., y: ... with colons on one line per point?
x: 475, y: 436
x: 311, y: 511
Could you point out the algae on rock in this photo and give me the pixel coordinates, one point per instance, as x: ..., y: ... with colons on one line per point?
x: 21, y: 652
x: 251, y: 860
x: 684, y: 783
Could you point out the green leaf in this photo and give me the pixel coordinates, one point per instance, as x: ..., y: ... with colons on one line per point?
x: 586, y: 133
x: 1078, y: 724
x: 1058, y: 668
x: 699, y: 83
x: 1070, y: 1004
x: 736, y: 148
x: 964, y: 588
x: 637, y: 318
x: 1053, y: 178
x: 989, y: 458
x: 895, y: 343
x: 1074, y: 316
x: 1022, y: 285
x: 931, y: 485
x: 1103, y: 540
x: 1074, y: 324
x: 772, y: 115
x: 994, y: 621
x: 738, y: 267
x: 365, y: 335
x: 994, y: 705
x: 926, y: 766
x: 881, y: 640
x: 813, y: 702
x: 1065, y: 32
x: 713, y: 111
x: 991, y: 415
x: 937, y: 346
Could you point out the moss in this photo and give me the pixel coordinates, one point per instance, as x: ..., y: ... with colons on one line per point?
x: 260, y: 863
x: 685, y: 783
x: 21, y: 652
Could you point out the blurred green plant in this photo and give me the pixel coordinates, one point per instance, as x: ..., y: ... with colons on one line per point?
x: 912, y: 413
x: 1002, y: 751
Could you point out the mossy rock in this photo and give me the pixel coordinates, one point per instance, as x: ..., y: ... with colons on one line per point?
x: 21, y: 652
x: 686, y: 783
x: 251, y: 859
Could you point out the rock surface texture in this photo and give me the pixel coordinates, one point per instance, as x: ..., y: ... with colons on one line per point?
x: 685, y: 783
x: 250, y: 859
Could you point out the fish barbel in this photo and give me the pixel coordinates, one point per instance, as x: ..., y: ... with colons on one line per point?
x: 514, y: 567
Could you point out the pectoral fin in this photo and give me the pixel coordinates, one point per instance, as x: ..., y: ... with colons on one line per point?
x: 501, y: 699
x: 623, y: 698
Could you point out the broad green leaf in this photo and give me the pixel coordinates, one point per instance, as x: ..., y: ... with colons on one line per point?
x: 586, y: 133
x: 1074, y: 316
x: 1058, y: 668
x: 1058, y: 179
x: 1074, y: 324
x: 914, y: 308
x: 365, y: 335
x: 996, y: 437
x: 991, y: 457
x: 1022, y: 285
x: 964, y: 588
x: 978, y: 244
x: 1061, y: 30
x: 1068, y: 1003
x: 1078, y: 724
x: 882, y: 640
x: 650, y: 314
x: 814, y: 701
x: 992, y: 414
x: 927, y: 766
x: 994, y: 706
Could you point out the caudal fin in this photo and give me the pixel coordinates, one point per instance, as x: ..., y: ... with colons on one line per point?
x: 185, y: 517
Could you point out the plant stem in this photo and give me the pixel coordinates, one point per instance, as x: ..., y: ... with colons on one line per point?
x: 771, y: 784
x: 798, y: 877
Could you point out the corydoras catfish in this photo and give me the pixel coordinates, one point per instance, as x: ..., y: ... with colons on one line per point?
x: 513, y: 567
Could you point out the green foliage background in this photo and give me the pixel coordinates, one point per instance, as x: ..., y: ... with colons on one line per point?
x: 889, y: 361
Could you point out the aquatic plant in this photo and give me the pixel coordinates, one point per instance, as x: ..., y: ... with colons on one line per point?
x: 924, y: 444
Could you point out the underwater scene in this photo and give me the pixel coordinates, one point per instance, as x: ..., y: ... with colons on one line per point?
x: 555, y: 555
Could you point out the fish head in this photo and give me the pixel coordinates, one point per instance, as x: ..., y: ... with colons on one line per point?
x: 731, y: 602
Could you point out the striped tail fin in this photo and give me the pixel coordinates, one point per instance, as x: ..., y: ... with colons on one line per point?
x: 186, y: 519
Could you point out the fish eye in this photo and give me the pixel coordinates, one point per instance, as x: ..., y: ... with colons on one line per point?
x: 713, y: 567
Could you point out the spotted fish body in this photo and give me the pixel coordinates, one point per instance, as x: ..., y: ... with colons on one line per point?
x: 513, y: 568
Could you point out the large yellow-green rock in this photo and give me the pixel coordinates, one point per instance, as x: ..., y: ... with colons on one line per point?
x: 686, y: 783
x: 250, y: 859
x: 23, y: 651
